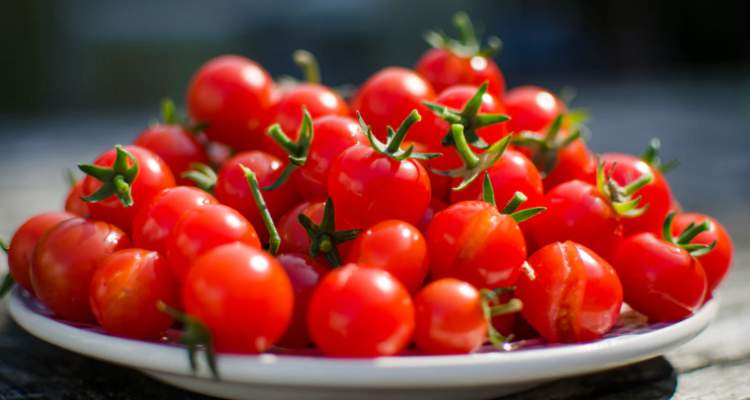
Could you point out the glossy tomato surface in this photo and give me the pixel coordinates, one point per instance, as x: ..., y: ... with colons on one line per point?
x: 532, y: 108
x: 176, y: 146
x: 443, y: 68
x: 304, y: 272
x: 718, y: 261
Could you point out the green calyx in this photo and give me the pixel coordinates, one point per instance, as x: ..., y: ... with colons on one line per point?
x: 116, y: 180
x: 169, y: 116
x: 467, y: 45
x: 545, y: 148
x: 297, y: 151
x: 324, y: 237
x: 274, y: 239
x: 392, y: 146
x: 203, y: 176
x: 474, y: 164
x: 688, y: 234
x: 652, y: 157
x: 7, y: 283
x: 469, y: 117
x: 491, y: 307
x: 195, y: 336
x: 488, y: 195
x: 308, y: 64
x: 621, y: 198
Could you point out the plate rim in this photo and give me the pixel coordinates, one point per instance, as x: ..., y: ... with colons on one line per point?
x: 485, y: 369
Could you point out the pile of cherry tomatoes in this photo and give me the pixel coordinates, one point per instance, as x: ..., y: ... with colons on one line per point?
x: 433, y: 209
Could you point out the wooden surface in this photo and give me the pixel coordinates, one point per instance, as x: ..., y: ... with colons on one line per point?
x: 708, y: 132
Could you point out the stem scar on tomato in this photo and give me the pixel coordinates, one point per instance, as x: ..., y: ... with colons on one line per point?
x: 324, y: 237
x: 116, y: 180
x: 195, y: 336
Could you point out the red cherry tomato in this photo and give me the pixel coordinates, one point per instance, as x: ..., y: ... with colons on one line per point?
x: 532, y: 108
x: 443, y: 69
x: 242, y: 295
x: 125, y: 290
x: 66, y: 259
x: 456, y: 97
x: 233, y: 96
x: 661, y: 280
x: 624, y: 169
x: 154, y: 222
x: 233, y: 190
x: 21, y: 250
x: 395, y: 246
x: 175, y: 145
x: 294, y: 238
x: 717, y: 262
x: 153, y: 176
x: 575, y: 295
x: 466, y: 241
x: 304, y: 273
x: 573, y: 161
x: 577, y: 211
x: 368, y: 187
x: 389, y: 96
x: 73, y: 202
x: 360, y: 312
x: 436, y: 205
x: 202, y: 229
x: 333, y: 135
x: 449, y: 318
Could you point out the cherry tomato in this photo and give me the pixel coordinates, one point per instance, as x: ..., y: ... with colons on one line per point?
x: 304, y: 273
x: 175, y: 145
x: 574, y: 296
x: 465, y: 241
x: 233, y: 96
x: 395, y: 246
x: 153, y: 176
x: 389, y: 96
x: 577, y: 211
x: 73, y: 202
x: 661, y: 280
x: 624, y: 169
x: 294, y: 238
x: 125, y: 290
x: 242, y: 295
x: 532, y: 108
x: 716, y: 263
x: 66, y: 259
x: 360, y: 312
x: 233, y: 190
x: 456, y: 98
x: 21, y: 250
x: 449, y: 318
x: 436, y: 205
x: 333, y: 135
x: 444, y: 69
x: 154, y: 222
x: 202, y: 229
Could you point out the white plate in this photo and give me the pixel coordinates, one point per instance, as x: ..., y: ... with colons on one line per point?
x: 271, y: 376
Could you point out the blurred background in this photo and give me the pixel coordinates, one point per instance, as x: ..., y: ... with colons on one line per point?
x: 78, y: 76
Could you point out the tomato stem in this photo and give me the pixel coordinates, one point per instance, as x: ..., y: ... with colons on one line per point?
x: 392, y: 146
x: 297, y: 152
x: 621, y: 199
x: 195, y: 335
x: 324, y: 237
x: 688, y: 234
x: 274, y: 239
x: 512, y: 306
x: 204, y: 176
x: 308, y: 64
x: 522, y: 215
x: 168, y: 112
x: 468, y: 44
x: 116, y: 180
x: 488, y: 192
x: 462, y: 147
x: 545, y: 148
x: 491, y: 308
x: 486, y: 160
x: 652, y: 157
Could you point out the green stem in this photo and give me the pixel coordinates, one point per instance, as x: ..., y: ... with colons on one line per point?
x: 637, y: 184
x: 168, y: 112
x: 513, y: 204
x: 465, y: 28
x: 462, y: 147
x: 309, y: 65
x: 122, y: 190
x: 488, y: 192
x: 394, y: 143
x: 274, y: 240
x: 278, y: 135
x: 195, y: 335
x: 6, y: 285
x: 666, y: 228
x: 692, y: 231
x: 512, y: 306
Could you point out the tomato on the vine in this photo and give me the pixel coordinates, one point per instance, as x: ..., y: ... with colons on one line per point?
x: 65, y: 260
x: 304, y: 272
x: 125, y: 290
x: 532, y: 108
x: 716, y: 263
x: 573, y: 295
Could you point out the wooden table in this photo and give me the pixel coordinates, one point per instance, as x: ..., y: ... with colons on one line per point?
x: 710, y: 129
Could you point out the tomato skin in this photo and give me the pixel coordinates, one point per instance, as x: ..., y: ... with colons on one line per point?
x: 242, y: 295
x: 73, y: 202
x: 436, y: 205
x: 294, y: 238
x: 574, y: 161
x: 153, y: 176
x: 449, y: 318
x: 176, y: 146
x: 125, y: 290
x: 23, y: 242
x: 661, y: 280
x: 624, y: 169
x: 202, y: 229
x: 394, y: 246
x: 304, y: 273
x: 233, y: 95
x: 717, y: 262
x: 464, y: 242
x: 360, y: 312
x: 333, y: 135
x: 576, y: 211
x: 365, y: 187
x: 443, y: 68
x: 154, y: 222
x: 233, y: 190
x: 65, y: 260
x: 389, y: 96
x: 532, y: 108
x: 575, y: 297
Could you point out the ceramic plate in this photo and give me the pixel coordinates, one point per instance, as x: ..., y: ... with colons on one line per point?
x: 485, y: 374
